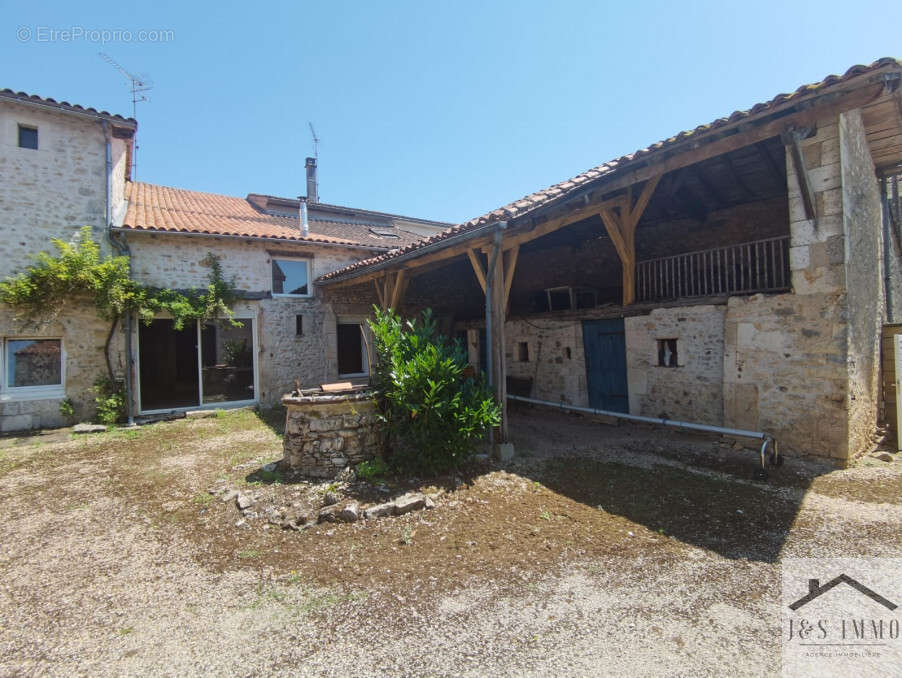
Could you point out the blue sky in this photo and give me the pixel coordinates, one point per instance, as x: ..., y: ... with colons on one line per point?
x: 438, y: 110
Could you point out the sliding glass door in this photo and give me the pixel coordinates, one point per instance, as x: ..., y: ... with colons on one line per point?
x: 197, y: 365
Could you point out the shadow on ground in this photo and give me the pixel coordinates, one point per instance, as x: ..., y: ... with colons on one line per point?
x: 696, y: 489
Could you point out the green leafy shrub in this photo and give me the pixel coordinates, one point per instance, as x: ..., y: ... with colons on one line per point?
x: 432, y: 411
x: 67, y: 409
x: 368, y: 470
x: 110, y: 401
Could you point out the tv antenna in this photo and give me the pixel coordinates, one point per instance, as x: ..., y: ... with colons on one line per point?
x: 315, y: 141
x: 139, y: 85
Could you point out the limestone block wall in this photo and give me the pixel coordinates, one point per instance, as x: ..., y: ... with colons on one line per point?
x: 49, y: 193
x: 802, y: 365
x: 556, y: 361
x: 284, y: 356
x: 862, y: 223
x: 692, y: 391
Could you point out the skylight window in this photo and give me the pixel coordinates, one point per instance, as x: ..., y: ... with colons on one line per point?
x: 383, y: 233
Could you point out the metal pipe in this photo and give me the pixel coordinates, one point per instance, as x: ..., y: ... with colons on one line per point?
x: 489, y: 278
x: 305, y: 225
x: 685, y: 425
x: 887, y: 259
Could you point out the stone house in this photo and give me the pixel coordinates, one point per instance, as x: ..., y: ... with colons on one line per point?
x: 736, y: 275
x: 63, y: 167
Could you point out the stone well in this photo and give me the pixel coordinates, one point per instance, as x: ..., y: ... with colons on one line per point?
x: 326, y: 432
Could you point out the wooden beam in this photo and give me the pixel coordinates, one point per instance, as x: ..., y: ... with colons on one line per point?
x: 379, y: 295
x: 692, y: 151
x: 615, y: 232
x: 477, y: 268
x: 749, y: 193
x: 778, y: 175
x: 709, y: 187
x: 399, y: 287
x: 552, y: 225
x: 793, y: 139
x: 510, y: 265
x: 647, y: 191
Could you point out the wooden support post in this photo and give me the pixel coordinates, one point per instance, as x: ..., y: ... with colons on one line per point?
x: 399, y: 289
x: 622, y: 230
x: 379, y: 295
x: 499, y: 371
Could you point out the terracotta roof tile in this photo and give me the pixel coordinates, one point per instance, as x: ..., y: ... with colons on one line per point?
x: 65, y: 106
x: 533, y: 201
x: 176, y: 210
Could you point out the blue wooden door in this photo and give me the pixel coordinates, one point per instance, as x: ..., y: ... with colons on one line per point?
x: 605, y: 349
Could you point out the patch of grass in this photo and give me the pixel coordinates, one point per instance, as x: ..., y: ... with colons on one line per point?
x: 407, y: 536
x: 371, y: 470
x: 203, y: 498
x: 125, y: 630
x: 545, y: 515
x: 248, y: 554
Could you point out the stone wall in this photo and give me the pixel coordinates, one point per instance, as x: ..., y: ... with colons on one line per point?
x: 49, y: 193
x: 283, y: 355
x: 785, y: 355
x: 325, y: 434
x: 862, y: 224
x: 556, y: 363
x: 692, y: 391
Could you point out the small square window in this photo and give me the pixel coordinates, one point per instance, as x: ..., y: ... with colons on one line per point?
x: 291, y: 277
x: 28, y: 137
x: 667, y: 353
x: 523, y: 351
x: 34, y: 363
x: 299, y: 325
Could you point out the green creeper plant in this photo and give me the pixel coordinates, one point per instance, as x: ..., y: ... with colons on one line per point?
x: 78, y: 273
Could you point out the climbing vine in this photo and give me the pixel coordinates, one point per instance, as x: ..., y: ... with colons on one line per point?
x: 78, y: 273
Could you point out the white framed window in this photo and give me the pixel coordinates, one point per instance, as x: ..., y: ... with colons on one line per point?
x: 291, y: 277
x: 33, y: 368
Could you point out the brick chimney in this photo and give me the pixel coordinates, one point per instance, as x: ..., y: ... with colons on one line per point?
x: 312, y: 195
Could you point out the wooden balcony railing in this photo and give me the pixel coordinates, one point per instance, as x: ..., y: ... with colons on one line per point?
x: 759, y: 266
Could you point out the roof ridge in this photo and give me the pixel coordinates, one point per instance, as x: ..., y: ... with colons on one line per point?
x: 25, y: 97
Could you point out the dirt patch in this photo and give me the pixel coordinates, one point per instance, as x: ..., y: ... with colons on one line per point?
x: 114, y: 558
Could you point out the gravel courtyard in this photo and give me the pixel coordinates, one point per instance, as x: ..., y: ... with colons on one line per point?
x: 599, y: 550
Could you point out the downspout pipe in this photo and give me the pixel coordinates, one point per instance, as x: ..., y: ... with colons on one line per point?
x: 887, y: 250
x: 489, y: 277
x: 123, y: 250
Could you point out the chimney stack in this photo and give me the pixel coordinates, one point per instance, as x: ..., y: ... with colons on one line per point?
x: 305, y: 225
x: 312, y: 195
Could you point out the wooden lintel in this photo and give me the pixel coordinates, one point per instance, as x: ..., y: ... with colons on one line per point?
x: 793, y: 139
x: 477, y: 268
